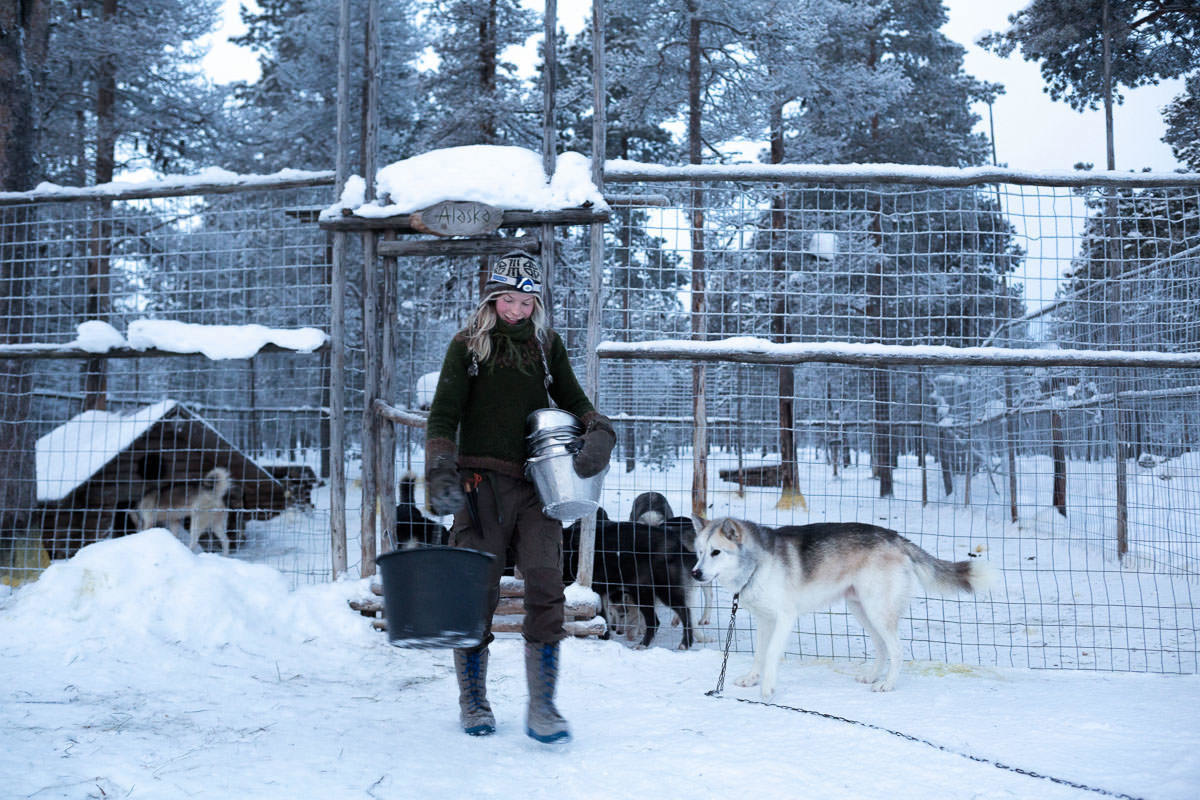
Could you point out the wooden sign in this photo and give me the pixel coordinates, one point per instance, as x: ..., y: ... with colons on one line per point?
x: 457, y: 218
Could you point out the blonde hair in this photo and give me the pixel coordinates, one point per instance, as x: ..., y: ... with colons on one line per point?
x: 483, y: 320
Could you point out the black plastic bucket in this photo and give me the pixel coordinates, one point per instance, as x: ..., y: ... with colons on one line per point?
x: 435, y: 596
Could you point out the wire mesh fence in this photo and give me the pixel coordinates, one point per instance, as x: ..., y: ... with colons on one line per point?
x: 104, y: 444
x: 1081, y: 482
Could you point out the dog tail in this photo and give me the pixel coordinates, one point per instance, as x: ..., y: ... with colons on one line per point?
x: 973, y: 576
x: 219, y: 477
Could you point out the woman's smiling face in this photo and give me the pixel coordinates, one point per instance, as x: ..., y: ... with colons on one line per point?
x: 512, y: 307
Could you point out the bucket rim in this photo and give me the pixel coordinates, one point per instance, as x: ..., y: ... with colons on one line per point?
x: 431, y: 548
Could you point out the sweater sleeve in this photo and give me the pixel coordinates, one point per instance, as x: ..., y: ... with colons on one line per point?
x: 565, y: 389
x: 450, y: 396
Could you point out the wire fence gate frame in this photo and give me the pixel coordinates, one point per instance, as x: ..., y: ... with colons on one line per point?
x: 253, y: 254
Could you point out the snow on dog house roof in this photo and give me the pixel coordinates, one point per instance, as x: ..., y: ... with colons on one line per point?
x: 161, y: 442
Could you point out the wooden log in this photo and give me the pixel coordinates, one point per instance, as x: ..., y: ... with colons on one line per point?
x: 47, y: 350
x: 402, y: 223
x: 507, y: 624
x: 490, y: 245
x: 589, y: 627
x: 760, y: 351
x: 767, y: 475
x: 368, y: 608
x: 516, y: 606
x: 400, y: 416
x: 660, y: 200
x: 596, y: 626
x: 634, y: 172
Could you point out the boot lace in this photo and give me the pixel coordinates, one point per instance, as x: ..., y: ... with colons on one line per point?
x: 474, y: 689
x: 549, y: 671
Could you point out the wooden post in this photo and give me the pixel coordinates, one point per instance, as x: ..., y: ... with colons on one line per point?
x: 595, y: 320
x: 881, y: 378
x: 549, y: 150
x: 389, y: 308
x: 371, y: 334
x: 1058, y: 455
x: 370, y: 439
x: 924, y: 441
x: 1112, y: 252
x: 699, y: 374
x: 1010, y: 426
x: 337, y: 315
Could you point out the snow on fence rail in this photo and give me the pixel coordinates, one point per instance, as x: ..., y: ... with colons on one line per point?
x: 749, y: 350
x: 997, y: 345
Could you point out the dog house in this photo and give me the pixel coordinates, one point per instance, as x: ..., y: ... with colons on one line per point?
x: 92, y: 470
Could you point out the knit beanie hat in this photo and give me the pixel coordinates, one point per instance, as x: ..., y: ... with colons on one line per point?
x: 515, y: 272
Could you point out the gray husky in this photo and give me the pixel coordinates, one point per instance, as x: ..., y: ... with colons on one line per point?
x: 782, y: 572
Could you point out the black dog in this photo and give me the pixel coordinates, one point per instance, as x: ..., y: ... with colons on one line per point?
x: 632, y: 560
x: 412, y: 527
x: 650, y: 508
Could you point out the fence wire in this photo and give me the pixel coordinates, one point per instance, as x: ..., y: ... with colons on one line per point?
x: 1082, y: 484
x: 1018, y: 465
x: 120, y: 443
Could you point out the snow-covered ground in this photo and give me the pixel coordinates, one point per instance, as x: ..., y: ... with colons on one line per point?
x: 139, y: 669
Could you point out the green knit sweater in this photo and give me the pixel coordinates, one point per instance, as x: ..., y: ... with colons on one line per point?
x: 485, y: 413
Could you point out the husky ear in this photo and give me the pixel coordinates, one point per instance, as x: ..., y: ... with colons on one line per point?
x: 731, y: 530
x: 698, y: 523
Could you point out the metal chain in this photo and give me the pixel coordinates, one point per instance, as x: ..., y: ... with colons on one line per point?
x: 725, y: 661
x: 945, y: 749
x: 908, y: 736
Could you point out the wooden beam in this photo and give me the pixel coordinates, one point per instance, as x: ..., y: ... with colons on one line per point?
x: 878, y: 355
x: 402, y: 223
x: 400, y: 416
x: 35, y: 350
x: 491, y: 245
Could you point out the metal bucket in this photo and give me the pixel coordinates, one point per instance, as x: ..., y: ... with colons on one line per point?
x: 550, y: 434
x: 565, y: 496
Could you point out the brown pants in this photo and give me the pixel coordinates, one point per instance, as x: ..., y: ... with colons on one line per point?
x: 510, y: 515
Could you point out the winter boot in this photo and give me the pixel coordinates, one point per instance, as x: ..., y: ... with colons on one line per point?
x: 474, y: 712
x: 543, y: 722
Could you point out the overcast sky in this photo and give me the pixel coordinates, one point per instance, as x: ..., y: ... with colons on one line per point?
x: 1032, y: 131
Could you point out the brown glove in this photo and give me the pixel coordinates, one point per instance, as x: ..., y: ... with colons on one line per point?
x: 595, y: 445
x: 443, y: 490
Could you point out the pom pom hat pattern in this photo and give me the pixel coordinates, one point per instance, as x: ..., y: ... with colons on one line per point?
x: 516, y: 271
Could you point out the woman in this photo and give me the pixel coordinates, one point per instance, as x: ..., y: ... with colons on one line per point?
x: 505, y: 364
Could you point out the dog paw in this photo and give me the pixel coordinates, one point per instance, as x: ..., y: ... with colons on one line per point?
x: 883, y: 686
x: 749, y: 679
